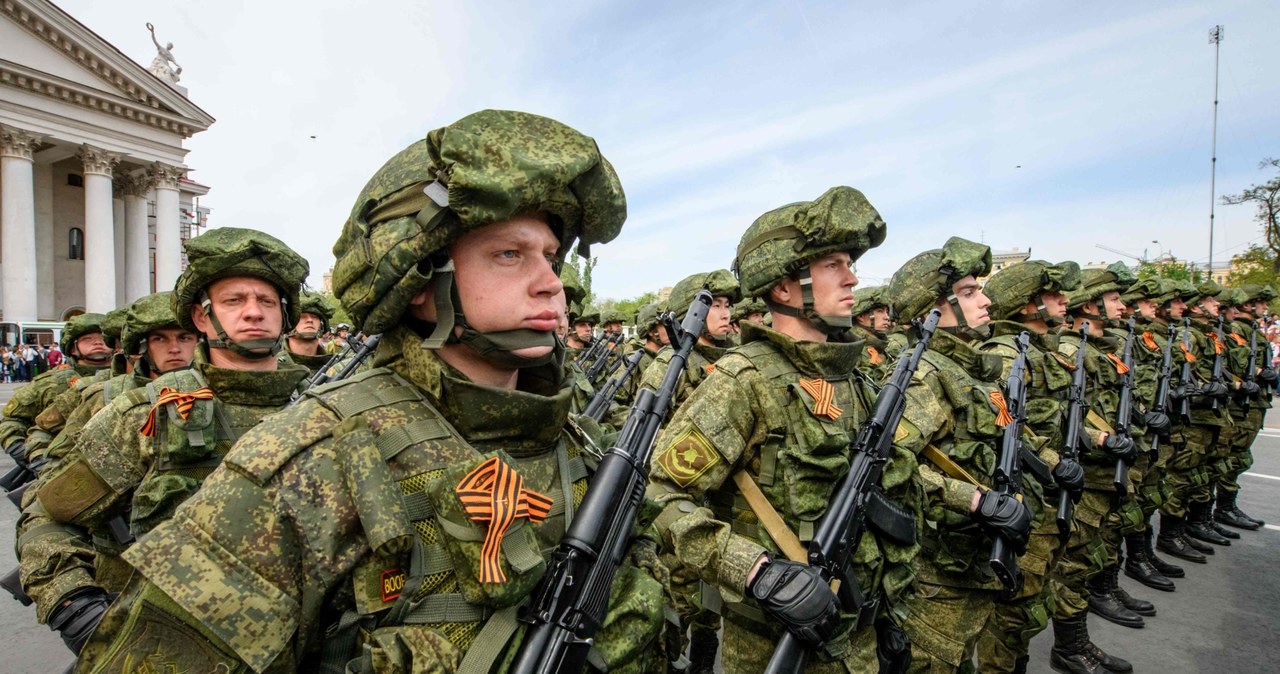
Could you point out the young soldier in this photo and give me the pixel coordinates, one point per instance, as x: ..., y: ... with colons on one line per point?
x: 780, y: 412
x: 1251, y: 304
x: 582, y: 331
x: 152, y: 447
x: 951, y: 426
x: 870, y: 323
x: 304, y: 339
x: 749, y: 309
x: 334, y: 532
x: 712, y: 343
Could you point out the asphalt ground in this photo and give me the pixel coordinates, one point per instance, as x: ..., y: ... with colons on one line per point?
x: 1224, y: 617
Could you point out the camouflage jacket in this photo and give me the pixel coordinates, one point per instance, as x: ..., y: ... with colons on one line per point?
x: 1047, y: 386
x: 950, y: 406
x: 1240, y: 334
x: 785, y: 412
x: 1102, y: 398
x: 312, y: 363
x: 30, y: 400
x: 338, y: 519
x: 1203, y: 334
x: 701, y: 363
x: 875, y: 362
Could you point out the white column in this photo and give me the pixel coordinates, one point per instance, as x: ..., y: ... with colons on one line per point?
x: 99, y: 230
x: 137, y: 244
x: 18, y: 223
x: 168, y: 234
x: 117, y: 234
x: 46, y: 282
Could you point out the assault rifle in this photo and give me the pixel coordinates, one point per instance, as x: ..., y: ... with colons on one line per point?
x: 1008, y: 473
x: 600, y: 401
x: 568, y: 605
x: 838, y: 532
x: 598, y: 368
x: 590, y: 353
x: 359, y: 354
x: 1250, y: 370
x: 1219, y: 349
x: 1184, y: 407
x: 1075, y: 423
x: 1161, y: 403
x: 21, y: 472
x: 1125, y: 409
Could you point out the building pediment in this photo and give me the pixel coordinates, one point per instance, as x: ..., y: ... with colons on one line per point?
x: 62, y: 59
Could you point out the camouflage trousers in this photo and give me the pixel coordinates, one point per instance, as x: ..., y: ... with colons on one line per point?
x: 1188, y: 477
x: 746, y: 651
x: 1015, y: 622
x: 944, y: 624
x: 1093, y: 546
x: 1239, y: 452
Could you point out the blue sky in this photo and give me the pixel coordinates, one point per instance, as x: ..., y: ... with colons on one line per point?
x: 1053, y: 126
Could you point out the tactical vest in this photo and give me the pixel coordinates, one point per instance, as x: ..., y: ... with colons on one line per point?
x: 1202, y: 346
x: 1048, y: 384
x: 1102, y: 398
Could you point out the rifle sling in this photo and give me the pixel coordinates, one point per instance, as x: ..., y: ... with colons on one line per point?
x: 1096, y: 421
x: 769, y: 518
x: 940, y: 459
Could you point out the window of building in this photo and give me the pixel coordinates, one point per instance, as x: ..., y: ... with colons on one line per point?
x: 75, y: 244
x: 75, y: 180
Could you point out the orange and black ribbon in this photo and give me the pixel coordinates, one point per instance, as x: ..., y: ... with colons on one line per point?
x: 1150, y: 340
x: 1240, y: 341
x: 1121, y: 368
x: 1218, y: 346
x: 824, y: 396
x: 874, y: 356
x: 183, y: 401
x: 1003, y: 418
x: 1191, y: 357
x: 494, y: 492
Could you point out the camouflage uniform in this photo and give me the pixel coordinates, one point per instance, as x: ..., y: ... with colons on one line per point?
x: 1249, y: 412
x: 759, y: 412
x: 875, y: 361
x: 333, y: 532
x: 312, y: 303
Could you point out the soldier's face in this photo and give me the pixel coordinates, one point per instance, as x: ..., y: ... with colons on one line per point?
x: 506, y: 278
x: 582, y: 330
x: 1112, y: 305
x: 1210, y: 305
x: 833, y: 284
x: 1146, y: 308
x: 92, y: 346
x: 171, y: 348
x: 1177, y: 307
x: 1230, y: 313
x: 756, y: 317
x: 880, y: 319
x: 246, y: 306
x: 613, y: 327
x: 309, y: 322
x: 718, y: 316
x: 562, y: 319
x: 973, y: 303
x: 1055, y: 304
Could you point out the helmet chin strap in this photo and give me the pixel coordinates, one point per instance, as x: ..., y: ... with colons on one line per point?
x: 829, y: 325
x: 252, y: 349
x: 95, y: 359
x: 962, y: 328
x: 497, y: 348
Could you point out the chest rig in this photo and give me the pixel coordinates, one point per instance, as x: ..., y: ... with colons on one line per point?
x: 403, y: 460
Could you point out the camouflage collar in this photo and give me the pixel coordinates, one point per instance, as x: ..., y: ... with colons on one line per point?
x: 711, y: 353
x: 252, y: 387
x: 985, y: 367
x: 871, y: 337
x: 814, y: 359
x: 1047, y: 342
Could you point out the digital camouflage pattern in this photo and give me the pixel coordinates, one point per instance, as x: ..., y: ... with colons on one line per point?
x: 784, y: 239
x: 928, y: 277
x: 866, y: 299
x: 31, y: 399
x: 751, y: 414
x: 231, y: 251
x: 746, y: 307
x: 543, y: 167
x: 720, y: 283
x: 77, y: 327
x: 323, y: 521
x: 153, y: 312
x: 1013, y: 287
x: 316, y: 303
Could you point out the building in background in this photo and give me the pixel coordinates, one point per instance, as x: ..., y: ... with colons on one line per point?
x: 94, y: 195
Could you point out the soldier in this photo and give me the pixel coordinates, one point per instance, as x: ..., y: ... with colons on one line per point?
x: 152, y: 447
x: 334, y: 531
x: 611, y: 322
x: 713, y: 342
x: 582, y: 330
x: 87, y: 351
x: 338, y: 344
x: 951, y: 425
x: 1251, y: 304
x: 59, y: 561
x: 776, y: 414
x: 870, y: 323
x: 304, y: 339
x: 1031, y: 297
x: 749, y: 309
x: 649, y: 339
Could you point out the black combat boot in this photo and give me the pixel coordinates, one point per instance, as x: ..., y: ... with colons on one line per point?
x: 1139, y: 567
x: 1104, y: 603
x: 1020, y: 665
x: 1139, y: 606
x: 1223, y: 531
x: 1172, y: 541
x: 1197, y: 526
x: 1071, y: 652
x: 1109, y: 662
x: 1230, y: 515
x: 1169, y: 570
x: 703, y: 644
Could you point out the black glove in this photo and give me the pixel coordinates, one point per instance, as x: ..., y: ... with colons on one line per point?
x: 78, y: 614
x: 1214, y: 389
x: 1120, y: 447
x: 1003, y: 515
x: 1070, y: 477
x: 1181, y: 392
x: 1249, y: 389
x: 797, y: 596
x: 1268, y: 376
x: 18, y: 452
x: 1158, y: 423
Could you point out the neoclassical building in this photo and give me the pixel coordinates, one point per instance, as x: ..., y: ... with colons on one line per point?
x: 94, y: 198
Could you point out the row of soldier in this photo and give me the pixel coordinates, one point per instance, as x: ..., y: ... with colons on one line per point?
x: 218, y: 508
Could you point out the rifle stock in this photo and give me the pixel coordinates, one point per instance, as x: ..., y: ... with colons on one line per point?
x: 569, y: 603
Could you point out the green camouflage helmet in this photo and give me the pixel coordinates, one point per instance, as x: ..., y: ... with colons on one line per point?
x: 587, y: 314
x: 867, y: 299
x: 79, y: 326
x: 1171, y: 289
x: 573, y: 293
x: 928, y: 277
x: 1206, y: 288
x: 231, y: 252
x: 647, y: 318
x: 1232, y: 297
x: 786, y: 239
x: 487, y: 167
x: 1259, y: 291
x: 1094, y: 283
x: 720, y: 282
x: 1147, y: 289
x: 748, y: 306
x: 316, y: 304
x: 1012, y: 287
x: 152, y: 312
x: 113, y: 325
x: 612, y: 316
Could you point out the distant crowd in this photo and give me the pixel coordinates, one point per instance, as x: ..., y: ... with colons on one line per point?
x: 25, y: 361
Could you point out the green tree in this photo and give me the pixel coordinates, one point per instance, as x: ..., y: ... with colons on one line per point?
x: 584, y: 267
x: 1169, y: 268
x: 1266, y: 199
x: 1255, y: 265
x: 339, y: 314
